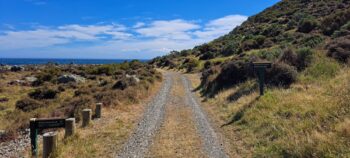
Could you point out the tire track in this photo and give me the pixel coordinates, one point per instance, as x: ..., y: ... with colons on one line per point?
x: 211, y: 143
x: 138, y: 143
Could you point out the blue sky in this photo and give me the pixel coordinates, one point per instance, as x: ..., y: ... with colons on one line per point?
x: 124, y: 29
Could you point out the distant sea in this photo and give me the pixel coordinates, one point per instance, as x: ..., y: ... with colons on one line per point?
x: 26, y: 61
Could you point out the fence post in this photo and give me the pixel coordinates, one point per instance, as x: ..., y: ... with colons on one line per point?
x: 86, y: 117
x: 49, y: 144
x: 69, y: 127
x: 98, y: 110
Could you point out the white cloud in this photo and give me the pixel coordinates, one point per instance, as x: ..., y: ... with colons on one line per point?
x: 221, y: 26
x: 143, y: 40
x: 45, y: 37
x: 139, y: 24
x: 174, y: 29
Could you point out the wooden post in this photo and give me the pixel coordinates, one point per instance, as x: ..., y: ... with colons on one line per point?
x: 33, y: 137
x: 98, y: 110
x: 86, y: 117
x: 69, y: 127
x: 49, y: 144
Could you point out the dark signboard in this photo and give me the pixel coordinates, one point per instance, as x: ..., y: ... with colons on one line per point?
x: 38, y: 124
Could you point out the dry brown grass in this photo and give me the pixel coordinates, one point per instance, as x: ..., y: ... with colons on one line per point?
x: 105, y: 136
x: 310, y: 119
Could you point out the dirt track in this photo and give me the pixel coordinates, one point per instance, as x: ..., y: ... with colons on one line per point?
x: 174, y: 125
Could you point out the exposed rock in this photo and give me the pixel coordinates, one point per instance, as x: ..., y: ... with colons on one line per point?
x: 70, y: 78
x: 133, y: 77
x: 31, y: 79
x: 18, y: 82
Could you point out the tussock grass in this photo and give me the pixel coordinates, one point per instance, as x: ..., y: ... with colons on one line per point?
x: 309, y: 119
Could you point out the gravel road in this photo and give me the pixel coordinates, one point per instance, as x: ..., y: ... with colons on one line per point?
x: 211, y: 143
x: 138, y: 143
x: 15, y: 148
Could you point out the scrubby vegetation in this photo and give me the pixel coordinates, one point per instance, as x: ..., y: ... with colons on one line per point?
x: 308, y: 44
x: 45, y: 95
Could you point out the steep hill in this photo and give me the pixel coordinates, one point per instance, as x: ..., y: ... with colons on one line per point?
x: 306, y: 109
x: 287, y: 34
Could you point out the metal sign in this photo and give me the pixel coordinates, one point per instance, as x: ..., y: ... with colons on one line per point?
x: 260, y: 68
x: 38, y: 124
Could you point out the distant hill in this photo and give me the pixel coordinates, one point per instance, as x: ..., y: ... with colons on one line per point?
x: 287, y: 34
x: 305, y: 109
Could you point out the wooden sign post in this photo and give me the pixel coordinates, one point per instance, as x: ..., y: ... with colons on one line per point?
x: 38, y: 124
x: 260, y: 69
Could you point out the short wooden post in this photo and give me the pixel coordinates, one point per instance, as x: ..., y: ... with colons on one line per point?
x: 49, y: 144
x: 86, y: 117
x: 69, y: 127
x: 98, y: 110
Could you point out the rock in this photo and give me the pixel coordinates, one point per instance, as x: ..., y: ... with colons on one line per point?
x: 31, y: 79
x: 18, y: 82
x: 134, y: 77
x: 70, y: 78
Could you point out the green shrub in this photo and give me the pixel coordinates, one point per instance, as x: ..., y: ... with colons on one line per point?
x: 339, y: 49
x: 231, y: 73
x: 289, y: 57
x: 43, y: 93
x: 307, y: 25
x: 207, y: 64
x: 304, y: 58
x: 107, y: 69
x: 270, y: 54
x: 73, y: 107
x: 334, y: 21
x: 311, y: 41
x: 190, y: 64
x: 124, y: 83
x: 28, y: 104
x: 344, y: 31
x: 207, y: 56
x: 322, y: 69
x: 281, y: 74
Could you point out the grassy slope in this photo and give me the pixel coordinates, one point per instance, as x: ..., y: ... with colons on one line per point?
x: 105, y: 136
x: 310, y: 119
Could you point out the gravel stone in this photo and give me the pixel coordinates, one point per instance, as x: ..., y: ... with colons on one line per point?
x: 138, y: 143
x: 16, y: 147
x: 211, y: 143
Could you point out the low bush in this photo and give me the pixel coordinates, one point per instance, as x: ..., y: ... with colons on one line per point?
x: 339, y: 49
x: 333, y: 22
x: 124, y: 83
x: 207, y: 56
x: 289, y: 57
x: 28, y: 104
x: 232, y: 73
x: 190, y: 64
x: 304, y: 58
x: 307, y: 25
x: 299, y: 59
x: 43, y: 93
x: 323, y: 69
x: 281, y: 74
x: 73, y: 107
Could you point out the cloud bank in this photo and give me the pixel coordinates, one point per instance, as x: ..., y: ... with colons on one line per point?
x: 142, y: 40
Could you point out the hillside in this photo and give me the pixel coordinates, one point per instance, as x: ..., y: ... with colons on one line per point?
x: 305, y: 112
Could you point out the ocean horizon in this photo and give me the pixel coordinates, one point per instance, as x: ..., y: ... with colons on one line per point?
x: 41, y: 61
